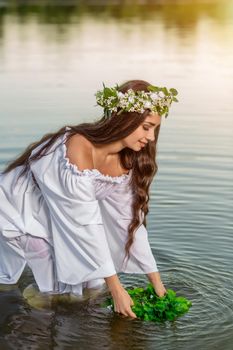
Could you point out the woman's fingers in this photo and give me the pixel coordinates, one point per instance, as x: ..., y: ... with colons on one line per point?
x: 128, y: 312
x: 160, y: 290
x: 131, y: 302
x: 132, y: 314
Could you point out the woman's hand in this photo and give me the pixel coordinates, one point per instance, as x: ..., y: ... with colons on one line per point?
x: 154, y: 278
x: 159, y: 288
x: 122, y: 300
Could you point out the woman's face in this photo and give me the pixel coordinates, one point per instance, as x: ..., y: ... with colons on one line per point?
x: 144, y: 133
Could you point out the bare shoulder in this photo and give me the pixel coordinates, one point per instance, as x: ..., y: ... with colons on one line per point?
x: 79, y: 152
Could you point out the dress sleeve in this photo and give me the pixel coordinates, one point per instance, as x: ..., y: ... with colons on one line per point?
x: 80, y: 246
x: 117, y: 215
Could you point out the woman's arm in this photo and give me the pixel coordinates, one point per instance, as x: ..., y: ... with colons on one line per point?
x: 154, y: 278
x: 122, y: 300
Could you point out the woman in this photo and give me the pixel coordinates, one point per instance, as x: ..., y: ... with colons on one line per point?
x: 73, y: 205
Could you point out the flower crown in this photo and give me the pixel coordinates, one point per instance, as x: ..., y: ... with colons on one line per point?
x: 157, y: 99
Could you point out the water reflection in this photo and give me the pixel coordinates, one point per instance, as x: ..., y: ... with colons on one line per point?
x: 64, y: 325
x: 177, y: 14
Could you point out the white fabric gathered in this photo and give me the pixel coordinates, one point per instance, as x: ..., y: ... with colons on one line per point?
x: 79, y: 220
x: 91, y: 172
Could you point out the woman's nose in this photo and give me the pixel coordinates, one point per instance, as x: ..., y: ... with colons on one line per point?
x: 151, y: 136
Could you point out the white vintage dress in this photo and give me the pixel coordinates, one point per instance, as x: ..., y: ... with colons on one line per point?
x: 72, y: 229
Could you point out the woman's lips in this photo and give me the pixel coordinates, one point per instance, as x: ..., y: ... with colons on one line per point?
x: 142, y: 143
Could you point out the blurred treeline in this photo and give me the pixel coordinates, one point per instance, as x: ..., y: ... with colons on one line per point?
x: 178, y: 13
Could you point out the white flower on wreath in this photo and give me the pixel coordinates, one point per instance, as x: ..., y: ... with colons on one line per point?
x: 120, y: 94
x: 154, y: 96
x: 123, y: 103
x: 131, y: 99
x: 147, y: 104
x: 161, y: 94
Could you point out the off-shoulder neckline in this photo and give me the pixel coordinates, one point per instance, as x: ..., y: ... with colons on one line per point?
x: 90, y: 172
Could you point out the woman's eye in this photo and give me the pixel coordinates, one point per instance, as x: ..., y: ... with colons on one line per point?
x: 145, y: 128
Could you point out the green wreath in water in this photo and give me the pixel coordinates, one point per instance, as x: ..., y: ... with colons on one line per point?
x: 149, y: 307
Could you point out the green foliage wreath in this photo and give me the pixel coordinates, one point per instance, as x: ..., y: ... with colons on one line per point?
x: 149, y: 307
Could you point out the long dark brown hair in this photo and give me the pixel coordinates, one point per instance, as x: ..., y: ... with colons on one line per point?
x: 104, y: 131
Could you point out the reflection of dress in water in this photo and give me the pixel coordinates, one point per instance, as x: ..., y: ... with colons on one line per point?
x: 70, y: 226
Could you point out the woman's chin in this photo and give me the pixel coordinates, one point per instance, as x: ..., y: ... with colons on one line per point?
x: 137, y: 149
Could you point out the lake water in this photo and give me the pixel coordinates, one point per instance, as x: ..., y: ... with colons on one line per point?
x: 52, y: 61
